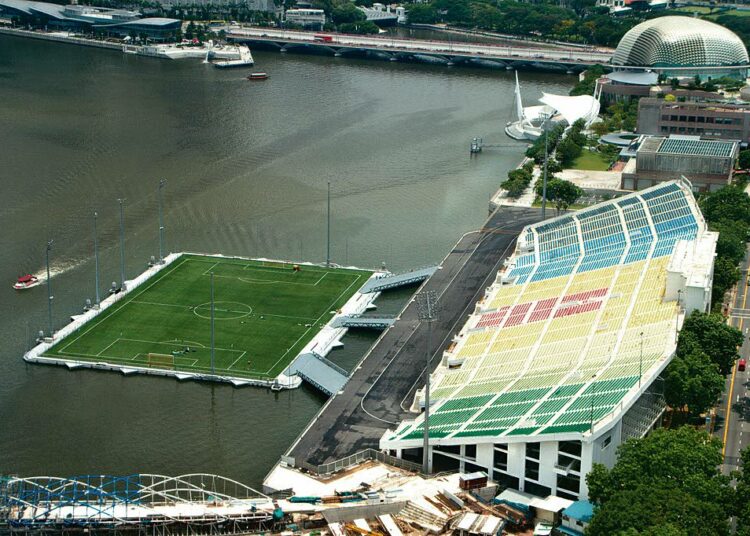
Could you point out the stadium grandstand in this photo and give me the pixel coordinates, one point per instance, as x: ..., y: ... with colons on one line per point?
x: 561, y: 360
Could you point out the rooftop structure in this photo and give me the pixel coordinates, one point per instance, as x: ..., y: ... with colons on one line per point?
x: 708, y: 164
x: 683, y: 47
x: 558, y: 360
x: 708, y: 119
x: 306, y: 17
x: 115, y: 21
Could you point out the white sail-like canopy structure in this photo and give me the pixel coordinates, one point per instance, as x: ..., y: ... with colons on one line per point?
x: 572, y: 109
x: 556, y: 109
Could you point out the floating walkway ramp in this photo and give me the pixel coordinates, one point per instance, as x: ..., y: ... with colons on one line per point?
x: 398, y: 280
x: 364, y: 322
x: 319, y: 372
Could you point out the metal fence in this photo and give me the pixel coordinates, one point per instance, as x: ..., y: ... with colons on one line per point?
x: 355, y: 459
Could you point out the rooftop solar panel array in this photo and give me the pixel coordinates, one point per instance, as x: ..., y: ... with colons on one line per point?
x: 696, y: 147
x: 560, y: 348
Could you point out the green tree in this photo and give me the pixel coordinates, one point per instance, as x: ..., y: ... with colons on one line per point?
x: 743, y: 161
x: 732, y: 239
x: 560, y: 192
x: 742, y: 498
x: 726, y: 274
x: 668, y: 478
x: 693, y: 380
x: 422, y: 14
x: 709, y: 333
x: 346, y: 14
x: 729, y: 203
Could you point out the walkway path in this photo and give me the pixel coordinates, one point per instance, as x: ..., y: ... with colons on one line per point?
x: 383, y: 384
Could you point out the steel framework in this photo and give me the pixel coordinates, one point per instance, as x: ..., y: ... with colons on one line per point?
x: 196, y: 503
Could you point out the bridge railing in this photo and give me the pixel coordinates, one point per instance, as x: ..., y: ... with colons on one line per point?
x: 331, y: 364
x: 356, y: 459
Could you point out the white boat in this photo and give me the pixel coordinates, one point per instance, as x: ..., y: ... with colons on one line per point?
x: 26, y: 281
x: 187, y: 50
x: 245, y: 60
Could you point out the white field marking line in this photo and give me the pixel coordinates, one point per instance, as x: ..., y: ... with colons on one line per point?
x: 325, y: 311
x: 145, y: 360
x: 183, y: 341
x: 235, y: 361
x: 287, y: 316
x: 269, y: 281
x: 262, y: 281
x: 163, y: 304
x: 93, y: 356
x: 272, y: 269
x: 178, y: 344
x: 109, y: 346
x: 125, y: 302
x: 214, y: 265
x: 321, y: 279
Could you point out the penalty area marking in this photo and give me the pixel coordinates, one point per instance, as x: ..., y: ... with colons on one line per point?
x: 234, y: 314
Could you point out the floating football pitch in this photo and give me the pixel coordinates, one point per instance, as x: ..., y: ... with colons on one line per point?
x: 264, y: 314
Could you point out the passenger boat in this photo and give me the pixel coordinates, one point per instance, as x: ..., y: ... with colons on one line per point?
x: 257, y: 76
x: 26, y: 281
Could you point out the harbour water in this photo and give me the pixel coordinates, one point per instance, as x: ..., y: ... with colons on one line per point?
x: 246, y: 168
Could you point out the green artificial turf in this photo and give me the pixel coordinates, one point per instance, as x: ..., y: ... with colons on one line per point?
x: 264, y: 314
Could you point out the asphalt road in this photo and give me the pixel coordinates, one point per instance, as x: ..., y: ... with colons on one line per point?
x: 375, y: 397
x: 734, y: 408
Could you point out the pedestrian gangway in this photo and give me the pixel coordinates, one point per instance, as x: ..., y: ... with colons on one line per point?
x: 318, y: 372
x: 363, y: 322
x: 398, y: 280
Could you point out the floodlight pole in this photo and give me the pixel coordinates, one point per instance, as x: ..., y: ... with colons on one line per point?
x: 640, y: 363
x: 213, y: 371
x: 122, y: 244
x: 328, y: 228
x: 162, y: 184
x: 96, y: 260
x: 546, y: 156
x: 427, y: 305
x: 49, y: 291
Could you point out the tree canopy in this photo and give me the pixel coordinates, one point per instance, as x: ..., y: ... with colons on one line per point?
x: 668, y: 482
x: 560, y: 192
x: 710, y: 334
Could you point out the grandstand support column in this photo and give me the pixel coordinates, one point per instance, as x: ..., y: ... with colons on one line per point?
x: 122, y: 244
x: 49, y: 292
x: 640, y: 363
x: 427, y: 305
x: 213, y: 351
x: 162, y: 184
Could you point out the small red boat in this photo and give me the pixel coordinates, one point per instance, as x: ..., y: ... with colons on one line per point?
x: 257, y: 76
x: 26, y: 281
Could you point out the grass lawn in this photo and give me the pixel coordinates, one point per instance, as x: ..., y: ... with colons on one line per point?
x: 591, y: 160
x: 264, y: 314
x: 703, y: 10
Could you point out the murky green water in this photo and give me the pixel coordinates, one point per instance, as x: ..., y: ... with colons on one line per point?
x: 247, y: 166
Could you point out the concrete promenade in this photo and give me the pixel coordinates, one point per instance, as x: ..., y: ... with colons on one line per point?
x: 61, y: 37
x: 382, y: 387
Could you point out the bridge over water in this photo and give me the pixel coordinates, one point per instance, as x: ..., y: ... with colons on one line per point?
x: 572, y: 59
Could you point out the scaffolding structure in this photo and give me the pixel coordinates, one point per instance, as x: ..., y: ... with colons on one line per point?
x: 139, y: 504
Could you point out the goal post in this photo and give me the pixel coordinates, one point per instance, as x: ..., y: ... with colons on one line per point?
x: 165, y: 361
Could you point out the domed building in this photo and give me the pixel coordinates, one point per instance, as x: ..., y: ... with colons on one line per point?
x: 682, y: 47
